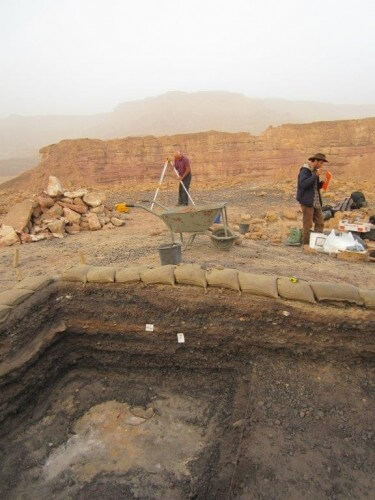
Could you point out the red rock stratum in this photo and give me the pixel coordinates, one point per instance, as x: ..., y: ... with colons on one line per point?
x: 349, y: 145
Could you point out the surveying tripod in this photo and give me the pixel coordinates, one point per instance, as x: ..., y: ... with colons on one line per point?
x: 168, y: 162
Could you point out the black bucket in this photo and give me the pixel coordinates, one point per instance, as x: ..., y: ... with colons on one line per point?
x: 243, y: 228
x: 170, y: 253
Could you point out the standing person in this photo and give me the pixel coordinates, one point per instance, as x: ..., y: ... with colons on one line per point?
x: 308, y: 195
x: 182, y: 166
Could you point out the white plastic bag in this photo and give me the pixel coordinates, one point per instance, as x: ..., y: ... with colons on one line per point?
x: 339, y: 243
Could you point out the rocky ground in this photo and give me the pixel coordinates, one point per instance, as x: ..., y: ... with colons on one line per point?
x: 270, y: 211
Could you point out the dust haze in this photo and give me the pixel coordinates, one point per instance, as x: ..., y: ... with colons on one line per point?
x: 86, y: 57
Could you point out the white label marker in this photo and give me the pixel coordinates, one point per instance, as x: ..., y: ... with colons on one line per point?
x: 180, y: 338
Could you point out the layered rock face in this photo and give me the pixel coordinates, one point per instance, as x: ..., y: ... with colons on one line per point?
x: 348, y: 144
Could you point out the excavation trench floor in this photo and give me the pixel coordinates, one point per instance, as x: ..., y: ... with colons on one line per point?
x: 253, y: 405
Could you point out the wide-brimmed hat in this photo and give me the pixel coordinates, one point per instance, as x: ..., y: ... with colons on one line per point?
x: 318, y: 156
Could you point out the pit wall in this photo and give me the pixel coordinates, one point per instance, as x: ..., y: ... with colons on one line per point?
x: 289, y: 288
x: 66, y: 325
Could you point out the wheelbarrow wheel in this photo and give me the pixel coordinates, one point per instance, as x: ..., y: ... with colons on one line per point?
x: 223, y: 244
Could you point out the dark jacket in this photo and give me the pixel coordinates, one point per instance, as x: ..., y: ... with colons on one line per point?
x: 305, y: 187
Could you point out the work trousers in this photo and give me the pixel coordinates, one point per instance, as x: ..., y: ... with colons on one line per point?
x: 183, y: 198
x: 311, y: 215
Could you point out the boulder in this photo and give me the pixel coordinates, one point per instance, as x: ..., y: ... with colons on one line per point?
x: 40, y: 236
x: 84, y: 225
x: 8, y: 236
x: 73, y: 229
x: 94, y: 199
x: 19, y: 215
x: 78, y: 193
x: 80, y: 209
x: 54, y: 187
x: 98, y: 210
x: 93, y: 222
x: 117, y: 222
x: 67, y: 200
x: 53, y: 212
x: 26, y: 238
x: 44, y: 201
x: 71, y: 216
x: 79, y: 201
x: 57, y: 228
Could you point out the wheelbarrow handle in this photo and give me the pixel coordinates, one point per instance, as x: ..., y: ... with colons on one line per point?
x: 156, y: 203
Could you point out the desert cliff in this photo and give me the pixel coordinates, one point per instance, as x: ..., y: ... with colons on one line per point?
x: 349, y: 144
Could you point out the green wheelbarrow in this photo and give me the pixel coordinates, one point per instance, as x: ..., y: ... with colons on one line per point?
x: 194, y: 220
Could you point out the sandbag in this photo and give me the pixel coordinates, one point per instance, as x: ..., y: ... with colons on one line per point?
x: 162, y: 274
x: 340, y: 292
x: 190, y: 274
x: 258, y: 284
x: 4, y: 312
x: 301, y: 290
x: 368, y: 296
x: 76, y: 273
x: 34, y: 283
x: 101, y: 274
x: 129, y: 274
x: 224, y: 278
x: 14, y: 296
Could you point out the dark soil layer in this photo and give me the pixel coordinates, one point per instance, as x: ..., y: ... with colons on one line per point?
x: 255, y: 404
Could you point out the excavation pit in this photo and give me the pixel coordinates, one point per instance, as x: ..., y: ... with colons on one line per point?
x: 256, y: 403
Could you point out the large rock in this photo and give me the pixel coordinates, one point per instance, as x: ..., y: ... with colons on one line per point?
x: 80, y: 209
x: 117, y: 222
x: 8, y: 236
x: 40, y: 236
x: 19, y: 215
x: 78, y: 193
x: 93, y: 222
x: 73, y: 229
x: 26, y: 238
x: 57, y: 228
x: 71, y: 216
x: 98, y: 210
x: 54, y: 187
x: 44, y: 201
x: 94, y: 199
x: 53, y: 212
x: 79, y: 201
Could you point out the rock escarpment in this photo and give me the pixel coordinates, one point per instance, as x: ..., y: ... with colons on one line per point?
x: 349, y: 144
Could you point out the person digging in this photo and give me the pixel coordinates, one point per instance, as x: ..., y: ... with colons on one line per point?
x: 182, y: 167
x: 308, y: 195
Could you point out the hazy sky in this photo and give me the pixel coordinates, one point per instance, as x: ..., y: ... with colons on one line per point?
x: 86, y: 56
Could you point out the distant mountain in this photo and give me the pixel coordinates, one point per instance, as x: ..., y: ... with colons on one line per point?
x: 168, y: 114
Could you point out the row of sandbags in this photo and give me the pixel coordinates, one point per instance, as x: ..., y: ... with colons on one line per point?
x: 20, y: 292
x: 255, y: 284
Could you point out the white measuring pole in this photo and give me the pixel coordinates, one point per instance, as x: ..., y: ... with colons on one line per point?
x: 160, y: 183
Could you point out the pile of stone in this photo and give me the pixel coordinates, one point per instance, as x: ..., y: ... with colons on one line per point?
x: 56, y: 213
x: 269, y: 226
